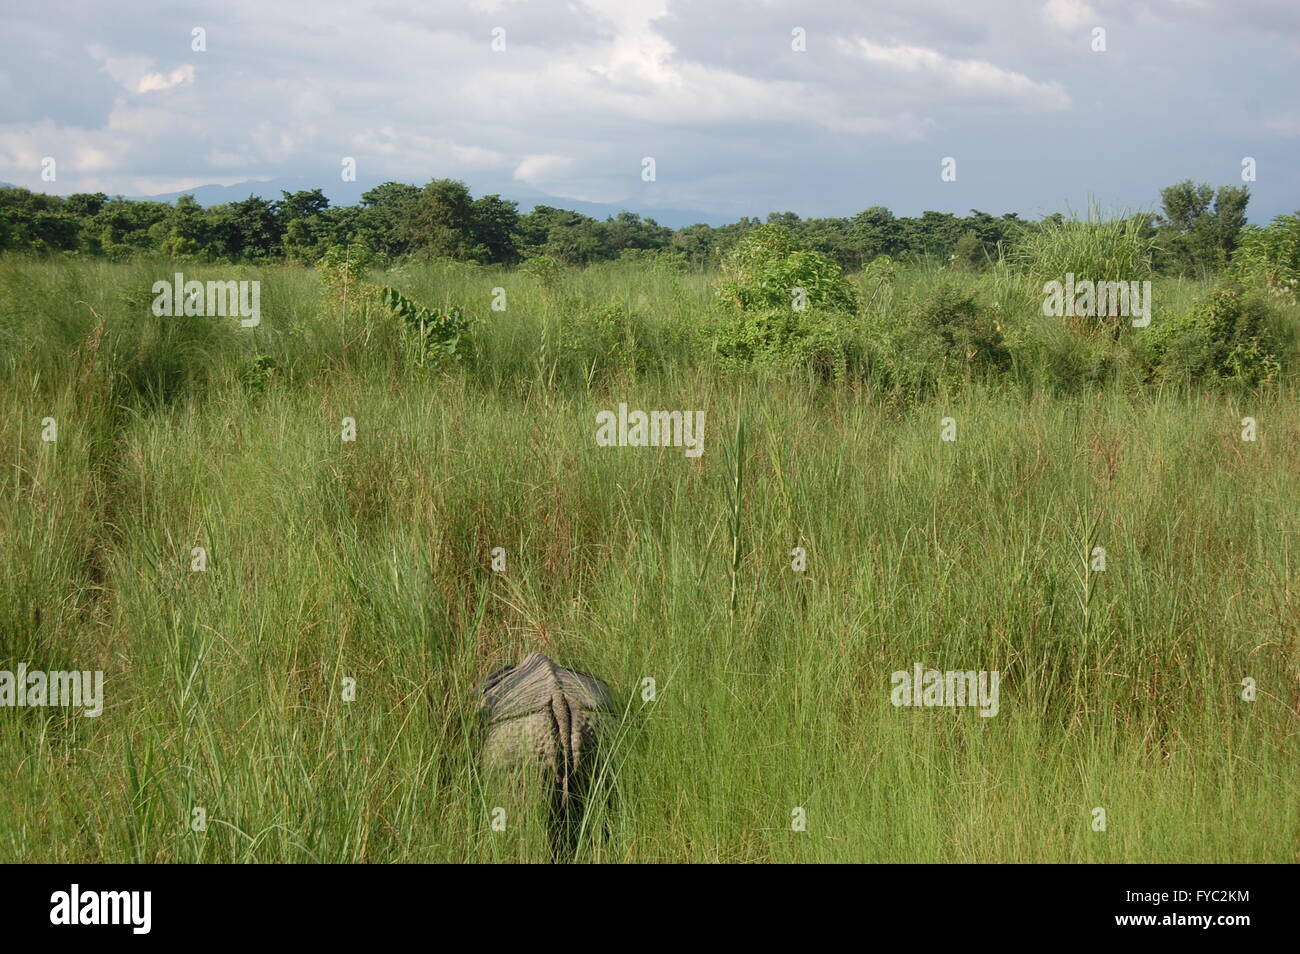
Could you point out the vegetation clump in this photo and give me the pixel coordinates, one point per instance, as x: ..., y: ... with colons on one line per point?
x: 784, y: 305
x: 1222, y: 338
x: 431, y: 335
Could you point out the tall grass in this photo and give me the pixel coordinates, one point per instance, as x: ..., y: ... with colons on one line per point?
x: 1096, y: 248
x: 328, y: 560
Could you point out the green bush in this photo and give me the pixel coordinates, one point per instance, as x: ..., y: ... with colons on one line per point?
x: 1222, y: 337
x: 603, y: 337
x: 662, y: 260
x: 430, y: 335
x: 766, y: 267
x: 817, y: 338
x: 543, y: 268
x: 969, y: 334
x: 783, y: 305
x: 877, y: 281
x: 258, y: 372
x: 942, y: 335
x: 1270, y: 256
x: 968, y: 252
x: 343, y: 268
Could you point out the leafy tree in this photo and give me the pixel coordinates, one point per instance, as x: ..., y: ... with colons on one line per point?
x: 576, y: 242
x: 122, y: 228
x: 439, y: 221
x: 1199, y: 229
x: 33, y: 222
x: 495, y: 227
x: 696, y: 242
x: 558, y: 233
x: 302, y: 205
x: 933, y: 235
x: 302, y: 217
x: 249, y: 229
x: 628, y: 230
x: 85, y: 205
x: 185, y: 232
x: 875, y: 232
x: 383, y: 216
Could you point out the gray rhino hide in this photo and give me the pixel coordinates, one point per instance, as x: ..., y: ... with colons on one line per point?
x: 543, y: 714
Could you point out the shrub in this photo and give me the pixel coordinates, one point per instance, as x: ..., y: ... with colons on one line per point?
x: 759, y: 247
x: 659, y: 260
x: 1061, y: 361
x: 543, y: 268
x: 429, y: 334
x: 1270, y: 257
x: 818, y: 338
x: 343, y: 268
x: 876, y: 281
x: 603, y: 337
x: 784, y: 305
x: 765, y: 268
x: 1220, y: 338
x: 258, y: 372
x: 943, y: 335
x: 969, y: 334
x: 968, y: 252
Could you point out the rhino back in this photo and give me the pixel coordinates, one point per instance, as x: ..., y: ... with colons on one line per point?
x: 541, y: 712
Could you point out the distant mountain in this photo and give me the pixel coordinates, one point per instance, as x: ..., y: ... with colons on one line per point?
x: 349, y: 193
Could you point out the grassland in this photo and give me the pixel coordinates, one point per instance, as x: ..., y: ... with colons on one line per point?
x: 369, y: 560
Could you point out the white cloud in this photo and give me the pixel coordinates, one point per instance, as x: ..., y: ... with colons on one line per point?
x: 23, y: 146
x: 735, y: 118
x: 964, y: 78
x: 1069, y: 14
x: 542, y: 169
x: 135, y: 74
x: 155, y: 82
x: 415, y: 154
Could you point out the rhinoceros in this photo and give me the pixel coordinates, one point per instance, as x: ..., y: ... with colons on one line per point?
x: 541, y: 715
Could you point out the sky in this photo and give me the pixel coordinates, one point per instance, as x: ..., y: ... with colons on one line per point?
x: 820, y: 107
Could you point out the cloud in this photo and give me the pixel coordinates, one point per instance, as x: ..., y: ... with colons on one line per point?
x: 538, y: 170
x: 155, y: 82
x: 566, y: 178
x: 133, y: 72
x: 1069, y: 14
x: 963, y: 78
x: 410, y: 152
x: 737, y: 120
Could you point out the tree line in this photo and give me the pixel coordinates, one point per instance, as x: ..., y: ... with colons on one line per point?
x: 1197, y: 230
